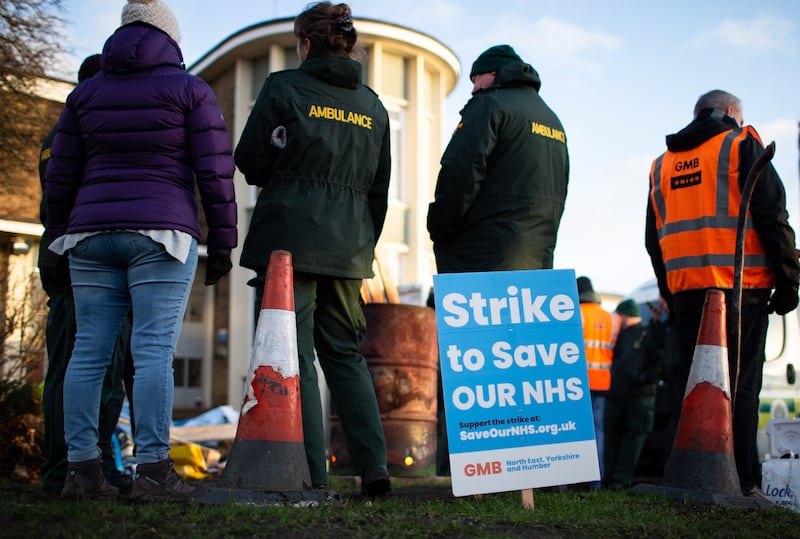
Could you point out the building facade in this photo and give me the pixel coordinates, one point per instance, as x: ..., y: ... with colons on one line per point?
x: 23, y: 309
x: 412, y: 73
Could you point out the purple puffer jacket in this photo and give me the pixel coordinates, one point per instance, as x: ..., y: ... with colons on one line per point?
x: 134, y: 142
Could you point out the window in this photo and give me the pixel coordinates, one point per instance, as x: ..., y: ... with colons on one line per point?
x: 196, y: 306
x: 394, y: 76
x: 188, y: 371
x: 260, y: 72
x: 397, y: 185
x: 291, y: 60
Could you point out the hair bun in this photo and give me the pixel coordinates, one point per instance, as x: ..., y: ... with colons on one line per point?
x: 345, y: 22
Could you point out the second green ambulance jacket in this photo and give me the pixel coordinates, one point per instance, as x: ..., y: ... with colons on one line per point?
x: 503, y: 181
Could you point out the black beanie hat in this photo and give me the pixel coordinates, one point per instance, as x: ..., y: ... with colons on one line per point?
x: 586, y: 292
x: 493, y: 59
x: 89, y: 68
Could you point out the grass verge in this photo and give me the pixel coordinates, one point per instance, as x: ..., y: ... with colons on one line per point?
x: 414, y: 509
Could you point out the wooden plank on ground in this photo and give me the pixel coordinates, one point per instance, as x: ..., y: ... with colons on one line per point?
x: 204, y: 433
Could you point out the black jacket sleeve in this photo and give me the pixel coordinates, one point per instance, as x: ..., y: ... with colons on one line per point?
x: 654, y: 250
x: 377, y: 196
x: 770, y: 218
x: 463, y: 169
x: 254, y: 154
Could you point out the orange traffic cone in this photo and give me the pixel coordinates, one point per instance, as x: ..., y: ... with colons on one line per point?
x: 702, y: 453
x: 701, y: 465
x: 268, y: 452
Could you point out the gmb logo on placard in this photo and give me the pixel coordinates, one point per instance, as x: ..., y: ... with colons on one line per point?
x: 493, y: 467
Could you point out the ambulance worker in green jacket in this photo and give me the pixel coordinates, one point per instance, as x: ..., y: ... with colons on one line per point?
x: 317, y: 143
x: 502, y: 185
x: 503, y: 182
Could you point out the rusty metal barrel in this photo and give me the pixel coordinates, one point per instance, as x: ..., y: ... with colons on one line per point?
x: 401, y: 350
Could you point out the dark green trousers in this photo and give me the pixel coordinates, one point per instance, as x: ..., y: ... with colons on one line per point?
x: 627, y: 422
x: 442, y: 446
x: 60, y: 338
x: 330, y: 320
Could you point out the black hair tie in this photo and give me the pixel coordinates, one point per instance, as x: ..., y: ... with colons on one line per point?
x: 345, y: 22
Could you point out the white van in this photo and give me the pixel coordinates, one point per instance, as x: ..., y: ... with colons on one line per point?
x: 780, y: 391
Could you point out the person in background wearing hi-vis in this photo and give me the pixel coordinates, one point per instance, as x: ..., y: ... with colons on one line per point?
x: 600, y: 332
x: 324, y: 178
x: 631, y: 400
x: 502, y: 186
x: 692, y: 216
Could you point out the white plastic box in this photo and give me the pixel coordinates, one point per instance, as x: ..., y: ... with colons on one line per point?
x: 784, y: 437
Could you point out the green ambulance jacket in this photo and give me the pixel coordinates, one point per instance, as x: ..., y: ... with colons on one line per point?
x: 503, y: 180
x: 317, y: 143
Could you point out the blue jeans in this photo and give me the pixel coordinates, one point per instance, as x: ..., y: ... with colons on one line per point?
x: 112, y: 273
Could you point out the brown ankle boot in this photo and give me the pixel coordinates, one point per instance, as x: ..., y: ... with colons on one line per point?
x: 158, y: 481
x: 86, y: 480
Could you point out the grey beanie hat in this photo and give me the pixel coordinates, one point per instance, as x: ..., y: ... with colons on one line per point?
x: 153, y: 12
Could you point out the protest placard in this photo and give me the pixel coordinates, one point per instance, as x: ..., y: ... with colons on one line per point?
x: 516, y: 390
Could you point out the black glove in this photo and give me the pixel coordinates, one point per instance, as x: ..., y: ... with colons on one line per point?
x: 783, y: 300
x: 216, y: 267
x: 55, y: 280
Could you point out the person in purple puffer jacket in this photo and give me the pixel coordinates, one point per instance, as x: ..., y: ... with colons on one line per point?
x: 132, y: 146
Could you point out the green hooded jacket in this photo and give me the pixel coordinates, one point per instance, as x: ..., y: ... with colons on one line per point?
x: 503, y: 180
x: 317, y: 143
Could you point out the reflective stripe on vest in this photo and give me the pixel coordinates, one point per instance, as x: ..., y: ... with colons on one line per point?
x: 695, y: 196
x: 600, y: 331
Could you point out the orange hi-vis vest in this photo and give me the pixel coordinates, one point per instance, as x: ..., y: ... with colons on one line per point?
x: 695, y: 197
x: 600, y: 331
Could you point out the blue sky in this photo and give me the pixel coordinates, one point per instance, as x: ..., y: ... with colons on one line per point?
x: 621, y: 74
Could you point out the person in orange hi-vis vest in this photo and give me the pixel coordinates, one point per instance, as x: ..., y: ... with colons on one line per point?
x: 600, y: 331
x: 690, y: 235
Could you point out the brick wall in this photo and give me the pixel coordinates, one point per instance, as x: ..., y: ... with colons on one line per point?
x: 20, y: 190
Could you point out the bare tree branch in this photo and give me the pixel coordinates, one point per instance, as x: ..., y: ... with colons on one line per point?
x: 30, y: 41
